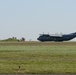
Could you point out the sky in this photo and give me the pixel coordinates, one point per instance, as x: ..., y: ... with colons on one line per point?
x: 29, y: 18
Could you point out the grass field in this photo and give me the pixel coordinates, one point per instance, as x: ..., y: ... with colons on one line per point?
x: 37, y: 58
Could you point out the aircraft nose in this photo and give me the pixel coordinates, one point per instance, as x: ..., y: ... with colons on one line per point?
x: 37, y: 38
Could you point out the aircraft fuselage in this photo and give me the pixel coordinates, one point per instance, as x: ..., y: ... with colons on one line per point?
x: 47, y: 37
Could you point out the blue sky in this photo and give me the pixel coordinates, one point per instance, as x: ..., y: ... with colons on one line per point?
x: 29, y: 18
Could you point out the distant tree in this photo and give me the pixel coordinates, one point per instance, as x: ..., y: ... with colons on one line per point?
x: 11, y: 39
x: 22, y: 39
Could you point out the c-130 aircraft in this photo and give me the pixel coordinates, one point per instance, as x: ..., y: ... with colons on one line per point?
x: 56, y: 38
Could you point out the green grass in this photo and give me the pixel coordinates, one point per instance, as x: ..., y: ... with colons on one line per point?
x: 37, y: 59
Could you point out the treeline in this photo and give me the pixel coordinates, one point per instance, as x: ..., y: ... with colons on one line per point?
x: 14, y: 39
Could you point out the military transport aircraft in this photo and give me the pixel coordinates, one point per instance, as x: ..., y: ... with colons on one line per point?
x: 56, y: 38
